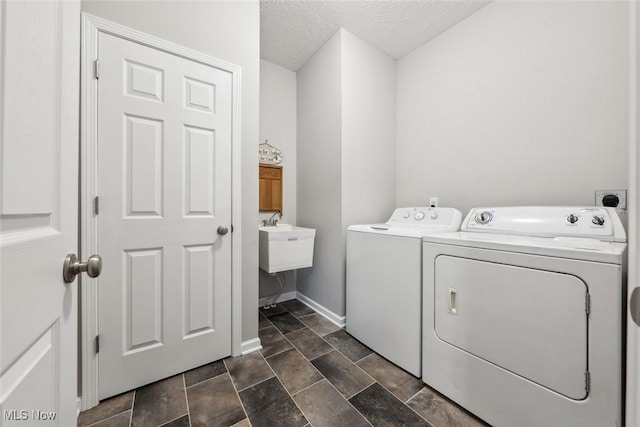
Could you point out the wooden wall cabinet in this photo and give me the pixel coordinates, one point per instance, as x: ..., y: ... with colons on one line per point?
x: 270, y: 188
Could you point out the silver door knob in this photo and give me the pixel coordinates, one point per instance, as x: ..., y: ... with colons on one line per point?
x: 72, y: 267
x: 222, y: 230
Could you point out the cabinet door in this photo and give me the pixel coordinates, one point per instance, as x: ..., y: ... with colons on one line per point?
x: 270, y: 188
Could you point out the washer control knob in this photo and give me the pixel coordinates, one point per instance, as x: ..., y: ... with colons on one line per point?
x: 433, y: 215
x: 419, y: 215
x: 572, y: 219
x: 598, y: 220
x: 406, y: 215
x: 483, y: 217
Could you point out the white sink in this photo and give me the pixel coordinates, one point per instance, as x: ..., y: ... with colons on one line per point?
x: 285, y: 247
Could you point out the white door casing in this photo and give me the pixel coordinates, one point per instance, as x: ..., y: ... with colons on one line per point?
x: 178, y: 177
x: 633, y: 285
x: 38, y: 223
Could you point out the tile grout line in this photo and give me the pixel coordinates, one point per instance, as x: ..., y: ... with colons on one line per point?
x: 368, y: 355
x: 205, y: 380
x: 258, y: 383
x: 310, y: 385
x: 346, y: 357
x: 133, y: 405
x: 281, y: 351
x: 415, y: 394
x: 355, y: 363
x: 349, y: 403
x: 186, y: 398
x: 323, y: 354
x: 391, y: 393
x: 383, y: 386
x: 287, y: 391
x: 311, y: 330
x: 237, y: 395
x: 306, y: 360
x: 333, y: 348
x: 172, y: 420
x: 365, y: 387
x: 293, y: 347
x: 309, y: 362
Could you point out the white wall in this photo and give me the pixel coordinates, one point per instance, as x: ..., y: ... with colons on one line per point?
x: 368, y: 132
x: 522, y: 103
x: 319, y: 172
x: 229, y: 30
x: 278, y: 125
x: 346, y: 155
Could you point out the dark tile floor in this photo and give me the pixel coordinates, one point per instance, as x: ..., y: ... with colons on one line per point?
x: 309, y: 372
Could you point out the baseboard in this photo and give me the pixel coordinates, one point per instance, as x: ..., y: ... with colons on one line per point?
x: 250, y: 346
x: 330, y: 315
x: 287, y: 296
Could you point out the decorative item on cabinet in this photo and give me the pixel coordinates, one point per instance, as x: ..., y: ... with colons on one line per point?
x: 270, y: 188
x: 268, y: 154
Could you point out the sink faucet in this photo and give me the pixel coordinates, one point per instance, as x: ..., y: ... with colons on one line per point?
x: 272, y: 222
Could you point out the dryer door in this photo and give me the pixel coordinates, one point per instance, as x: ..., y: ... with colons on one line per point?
x: 530, y: 322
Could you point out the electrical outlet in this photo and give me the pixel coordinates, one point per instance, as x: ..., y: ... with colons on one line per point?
x: 620, y: 194
x: 433, y: 202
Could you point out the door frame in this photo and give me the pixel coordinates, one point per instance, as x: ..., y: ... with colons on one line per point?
x: 633, y: 330
x: 92, y: 26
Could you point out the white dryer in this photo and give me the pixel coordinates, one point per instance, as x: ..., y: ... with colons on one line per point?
x: 384, y: 281
x: 523, y: 315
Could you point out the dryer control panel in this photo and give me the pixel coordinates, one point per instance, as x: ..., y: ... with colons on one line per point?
x: 548, y: 221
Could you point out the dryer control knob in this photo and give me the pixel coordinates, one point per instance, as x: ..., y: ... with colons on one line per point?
x: 419, y: 215
x: 598, y: 220
x: 406, y: 215
x: 433, y: 215
x: 572, y: 219
x: 483, y: 217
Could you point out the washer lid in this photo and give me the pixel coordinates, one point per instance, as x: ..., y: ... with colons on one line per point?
x: 548, y: 221
x: 386, y: 229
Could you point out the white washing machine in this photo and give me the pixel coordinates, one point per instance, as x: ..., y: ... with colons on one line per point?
x: 384, y: 281
x: 523, y: 315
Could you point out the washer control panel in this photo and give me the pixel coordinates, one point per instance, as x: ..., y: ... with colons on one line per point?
x: 547, y: 221
x: 572, y: 219
x: 427, y: 217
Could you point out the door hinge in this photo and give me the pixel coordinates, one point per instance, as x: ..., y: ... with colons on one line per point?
x: 587, y: 382
x: 96, y: 69
x: 587, y: 304
x: 96, y: 205
x: 96, y: 344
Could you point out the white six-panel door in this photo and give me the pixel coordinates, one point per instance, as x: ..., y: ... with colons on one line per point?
x: 38, y: 207
x: 164, y: 187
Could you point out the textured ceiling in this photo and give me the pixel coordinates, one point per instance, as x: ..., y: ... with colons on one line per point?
x: 293, y: 30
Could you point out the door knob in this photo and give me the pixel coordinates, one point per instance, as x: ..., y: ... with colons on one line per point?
x: 222, y: 230
x: 72, y: 267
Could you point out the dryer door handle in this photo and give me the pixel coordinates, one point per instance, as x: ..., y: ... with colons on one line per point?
x: 452, y: 300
